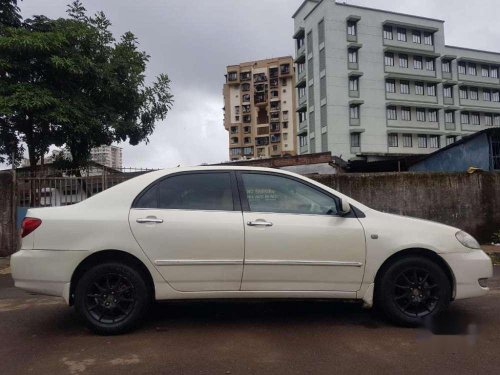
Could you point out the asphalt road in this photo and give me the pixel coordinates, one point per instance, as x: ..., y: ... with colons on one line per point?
x: 40, y: 335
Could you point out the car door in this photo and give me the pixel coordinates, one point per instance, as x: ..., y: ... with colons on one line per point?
x: 190, y: 226
x: 295, y: 240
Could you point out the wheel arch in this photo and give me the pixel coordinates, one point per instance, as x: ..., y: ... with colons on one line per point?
x: 425, y: 253
x: 109, y: 255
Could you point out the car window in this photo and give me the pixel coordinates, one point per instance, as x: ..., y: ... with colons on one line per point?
x: 197, y: 191
x: 271, y: 193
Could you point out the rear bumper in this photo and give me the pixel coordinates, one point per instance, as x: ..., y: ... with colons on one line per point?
x: 45, y: 271
x: 467, y: 269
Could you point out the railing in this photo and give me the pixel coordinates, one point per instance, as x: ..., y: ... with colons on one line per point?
x: 66, y: 187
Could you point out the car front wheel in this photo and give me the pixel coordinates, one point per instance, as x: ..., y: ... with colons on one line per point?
x: 112, y: 298
x: 412, y: 290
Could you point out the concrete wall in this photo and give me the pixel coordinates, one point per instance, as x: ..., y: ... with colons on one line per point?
x: 467, y: 201
x: 8, y: 238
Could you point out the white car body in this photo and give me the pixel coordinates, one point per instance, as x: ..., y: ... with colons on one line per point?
x: 214, y: 254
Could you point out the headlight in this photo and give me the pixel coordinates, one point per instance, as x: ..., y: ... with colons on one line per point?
x: 467, y: 240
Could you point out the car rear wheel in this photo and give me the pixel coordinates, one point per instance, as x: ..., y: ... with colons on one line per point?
x: 112, y: 298
x: 412, y: 290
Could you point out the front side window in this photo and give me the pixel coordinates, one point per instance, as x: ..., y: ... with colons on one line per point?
x: 488, y: 119
x: 434, y: 141
x: 428, y: 39
x: 494, y: 72
x: 450, y: 140
x: 354, y: 84
x: 401, y: 34
x: 407, y: 140
x: 485, y: 71
x: 464, y: 117
x: 449, y: 117
x: 404, y: 87
x: 403, y: 61
x: 392, y: 113
x: 355, y: 140
x: 495, y: 96
x: 406, y: 113
x: 421, y: 114
x: 431, y: 89
x: 447, y: 92
x: 474, y: 94
x: 422, y: 141
x: 197, y: 191
x: 417, y: 37
x: 389, y: 59
x: 354, y: 112
x: 475, y: 119
x: 353, y: 55
x: 270, y: 193
x: 390, y: 86
x: 393, y: 140
x: 446, y: 67
x: 462, y: 68
x: 487, y: 95
x: 429, y: 64
x: 471, y: 69
x: 351, y: 28
x: 419, y: 88
x: 433, y: 115
x: 463, y: 93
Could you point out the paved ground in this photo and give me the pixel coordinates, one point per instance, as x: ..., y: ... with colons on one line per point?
x: 40, y: 335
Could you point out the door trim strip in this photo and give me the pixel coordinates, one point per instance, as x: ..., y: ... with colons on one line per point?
x: 197, y: 262
x: 271, y: 262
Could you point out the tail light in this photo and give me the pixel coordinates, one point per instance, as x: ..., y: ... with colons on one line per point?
x: 29, y: 225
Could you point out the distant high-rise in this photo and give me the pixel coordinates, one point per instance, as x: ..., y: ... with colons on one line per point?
x: 259, y: 104
x: 109, y: 156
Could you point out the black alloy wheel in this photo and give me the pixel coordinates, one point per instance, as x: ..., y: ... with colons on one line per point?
x: 112, y: 297
x: 412, y: 290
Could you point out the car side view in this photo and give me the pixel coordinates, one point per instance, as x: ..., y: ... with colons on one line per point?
x: 240, y: 232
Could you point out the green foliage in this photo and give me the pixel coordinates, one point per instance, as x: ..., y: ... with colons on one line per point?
x: 69, y: 82
x: 495, y: 238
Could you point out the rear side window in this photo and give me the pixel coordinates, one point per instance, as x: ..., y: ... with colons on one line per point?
x: 197, y: 191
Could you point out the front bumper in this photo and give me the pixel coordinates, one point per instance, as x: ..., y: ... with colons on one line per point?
x: 45, y: 271
x: 467, y: 269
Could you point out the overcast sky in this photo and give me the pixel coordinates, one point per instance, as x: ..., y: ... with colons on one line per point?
x: 193, y: 41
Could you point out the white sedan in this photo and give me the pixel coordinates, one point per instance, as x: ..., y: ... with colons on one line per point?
x: 240, y: 232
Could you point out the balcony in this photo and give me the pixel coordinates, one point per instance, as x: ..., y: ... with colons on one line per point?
x: 261, y: 141
x: 261, y: 77
x: 262, y: 130
x: 246, y: 98
x: 275, y: 116
x: 260, y: 99
x: 285, y: 70
x: 274, y: 82
x: 247, y: 119
x: 273, y: 73
x: 301, y: 78
x: 275, y: 138
x: 302, y: 100
x: 232, y: 77
x: 275, y: 127
x: 468, y: 78
x: 245, y: 76
x: 261, y: 87
x: 245, y: 87
x: 275, y: 106
x: 246, y: 108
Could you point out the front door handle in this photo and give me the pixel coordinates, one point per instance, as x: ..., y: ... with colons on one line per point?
x: 147, y: 220
x: 259, y: 223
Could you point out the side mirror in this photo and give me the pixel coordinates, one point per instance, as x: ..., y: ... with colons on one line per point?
x: 345, y: 207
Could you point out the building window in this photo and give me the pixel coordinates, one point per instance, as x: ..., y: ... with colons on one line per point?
x: 495, y: 96
x: 355, y: 139
x: 474, y: 94
x: 390, y: 86
x: 419, y: 88
x: 352, y: 28
x: 407, y: 140
x: 401, y: 34
x: 485, y: 71
x: 431, y: 89
x: 418, y: 62
x: 433, y: 115
x: 403, y: 61
x: 434, y: 141
x: 463, y: 93
x: 496, y: 120
x: 450, y: 140
x: 471, y: 69
x: 488, y: 119
x: 448, y: 92
x: 235, y: 151
x: 406, y: 113
x: 475, y: 119
x: 446, y: 67
x: 353, y: 55
x: 247, y: 129
x: 389, y: 59
x: 392, y: 113
x: 464, y: 118
x: 309, y: 45
x: 354, y: 84
x: 303, y: 140
x: 321, y: 32
x: 421, y: 114
x: 392, y: 140
x: 462, y: 68
x: 417, y: 38
x: 422, y: 141
x: 404, y: 87
x: 388, y: 32
x: 428, y: 39
x: 354, y: 111
x: 302, y: 117
x: 486, y: 95
x: 429, y: 64
x: 247, y: 140
x: 449, y: 117
x: 494, y: 72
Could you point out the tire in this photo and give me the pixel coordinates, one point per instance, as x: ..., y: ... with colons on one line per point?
x: 112, y: 298
x: 412, y: 291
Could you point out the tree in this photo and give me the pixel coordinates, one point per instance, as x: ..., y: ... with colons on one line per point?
x: 69, y: 82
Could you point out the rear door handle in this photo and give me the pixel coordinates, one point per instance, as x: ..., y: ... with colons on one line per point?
x: 259, y: 223
x: 147, y: 220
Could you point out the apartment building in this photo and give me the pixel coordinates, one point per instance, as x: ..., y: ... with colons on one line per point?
x: 109, y: 156
x: 259, y: 109
x: 374, y: 84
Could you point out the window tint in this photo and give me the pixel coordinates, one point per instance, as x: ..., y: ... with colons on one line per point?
x: 268, y: 193
x: 197, y: 191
